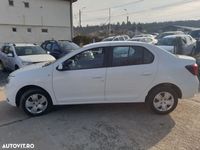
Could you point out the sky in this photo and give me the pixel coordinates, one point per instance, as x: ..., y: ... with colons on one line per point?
x: 96, y: 12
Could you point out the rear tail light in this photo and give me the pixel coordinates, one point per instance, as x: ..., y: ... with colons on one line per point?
x: 192, y: 69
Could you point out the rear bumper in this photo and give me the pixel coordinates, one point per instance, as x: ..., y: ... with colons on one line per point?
x: 190, y: 89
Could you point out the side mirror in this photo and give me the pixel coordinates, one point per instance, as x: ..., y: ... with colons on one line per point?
x: 64, y: 66
x: 10, y: 55
x: 60, y: 67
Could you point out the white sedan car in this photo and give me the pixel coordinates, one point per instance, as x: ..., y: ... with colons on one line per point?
x: 115, y: 72
x: 15, y: 56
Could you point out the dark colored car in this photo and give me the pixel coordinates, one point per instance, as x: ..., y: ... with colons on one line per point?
x: 195, y: 34
x: 59, y: 49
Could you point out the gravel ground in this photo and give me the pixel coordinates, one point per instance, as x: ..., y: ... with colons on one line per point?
x: 103, y: 127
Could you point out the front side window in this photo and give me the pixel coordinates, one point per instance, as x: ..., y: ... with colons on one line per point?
x: 89, y: 59
x: 125, y: 55
x: 55, y: 47
x: 48, y: 46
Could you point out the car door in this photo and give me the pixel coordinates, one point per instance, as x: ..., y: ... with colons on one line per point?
x: 82, y: 78
x: 132, y: 69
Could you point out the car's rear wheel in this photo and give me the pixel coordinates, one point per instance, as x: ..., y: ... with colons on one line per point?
x: 35, y: 102
x: 162, y: 100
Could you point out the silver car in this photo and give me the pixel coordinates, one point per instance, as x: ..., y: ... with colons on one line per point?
x: 184, y: 44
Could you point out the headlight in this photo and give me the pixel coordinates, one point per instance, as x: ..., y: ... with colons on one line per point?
x: 26, y: 63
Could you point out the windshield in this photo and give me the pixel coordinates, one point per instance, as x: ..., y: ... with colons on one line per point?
x: 195, y: 34
x: 166, y: 41
x: 68, y: 46
x: 29, y: 50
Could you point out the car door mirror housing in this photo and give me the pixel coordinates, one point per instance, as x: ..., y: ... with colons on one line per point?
x: 60, y: 67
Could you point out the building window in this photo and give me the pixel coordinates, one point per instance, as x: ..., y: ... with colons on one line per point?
x: 11, y: 2
x: 14, y: 29
x: 26, y: 4
x: 29, y: 30
x: 45, y: 30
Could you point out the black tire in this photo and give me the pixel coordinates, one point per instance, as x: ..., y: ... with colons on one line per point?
x: 16, y: 67
x: 26, y: 96
x: 151, y: 99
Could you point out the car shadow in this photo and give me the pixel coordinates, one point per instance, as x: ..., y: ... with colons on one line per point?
x: 99, y: 126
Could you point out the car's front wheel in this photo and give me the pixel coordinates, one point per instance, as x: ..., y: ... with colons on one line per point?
x: 35, y: 102
x: 162, y: 100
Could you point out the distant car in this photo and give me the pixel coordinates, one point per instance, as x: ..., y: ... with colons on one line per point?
x: 196, y: 34
x: 144, y: 35
x: 117, y: 38
x: 116, y: 72
x: 148, y: 40
x: 160, y: 36
x: 15, y: 56
x: 59, y: 49
x: 184, y: 44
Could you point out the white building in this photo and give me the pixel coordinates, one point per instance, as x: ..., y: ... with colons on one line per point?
x: 35, y: 20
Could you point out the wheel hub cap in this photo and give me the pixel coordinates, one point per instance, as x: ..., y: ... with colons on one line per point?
x: 163, y: 101
x: 36, y: 103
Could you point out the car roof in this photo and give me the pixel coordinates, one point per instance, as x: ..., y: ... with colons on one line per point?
x: 20, y: 44
x: 114, y: 43
x: 176, y: 35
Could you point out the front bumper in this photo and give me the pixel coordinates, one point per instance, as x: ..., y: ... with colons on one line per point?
x: 10, y: 94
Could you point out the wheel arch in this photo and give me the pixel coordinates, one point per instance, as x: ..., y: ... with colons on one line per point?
x: 170, y: 85
x: 25, y: 88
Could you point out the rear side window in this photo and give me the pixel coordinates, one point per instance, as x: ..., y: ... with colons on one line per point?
x: 125, y: 56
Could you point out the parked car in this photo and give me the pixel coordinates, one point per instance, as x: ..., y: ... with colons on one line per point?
x: 196, y: 34
x: 60, y: 48
x: 18, y: 55
x: 143, y: 35
x: 117, y: 38
x: 160, y: 36
x: 184, y: 44
x: 118, y: 72
x: 148, y: 40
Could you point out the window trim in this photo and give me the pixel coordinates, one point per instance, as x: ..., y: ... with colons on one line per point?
x: 110, y: 65
x: 105, y: 62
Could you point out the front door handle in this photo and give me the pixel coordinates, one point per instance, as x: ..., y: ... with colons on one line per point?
x: 97, y: 77
x: 146, y: 74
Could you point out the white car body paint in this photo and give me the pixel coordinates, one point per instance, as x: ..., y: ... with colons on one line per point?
x: 106, y: 85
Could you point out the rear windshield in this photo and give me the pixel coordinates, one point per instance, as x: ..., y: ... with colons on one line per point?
x: 29, y: 50
x: 68, y: 46
x: 166, y: 41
